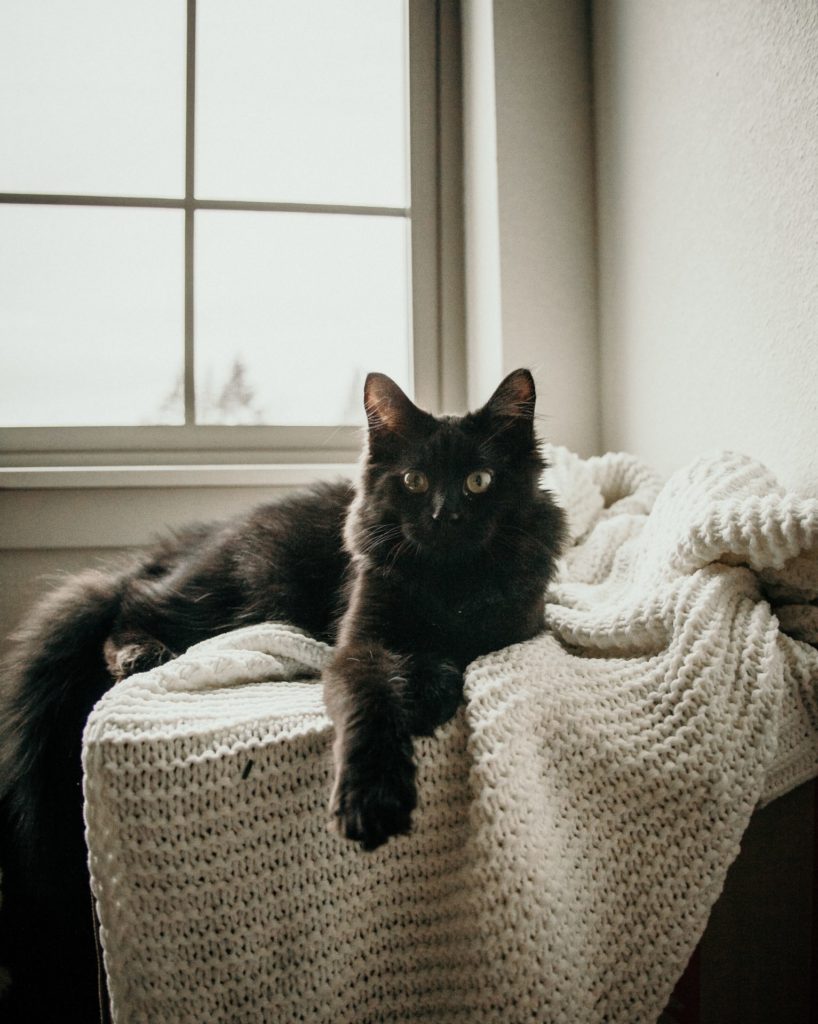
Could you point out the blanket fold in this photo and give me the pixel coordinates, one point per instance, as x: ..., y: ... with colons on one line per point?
x: 577, y: 817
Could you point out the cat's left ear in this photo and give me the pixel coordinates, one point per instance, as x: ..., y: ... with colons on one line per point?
x: 388, y: 410
x: 514, y: 399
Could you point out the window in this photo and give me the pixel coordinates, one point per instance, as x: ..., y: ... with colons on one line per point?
x: 215, y: 217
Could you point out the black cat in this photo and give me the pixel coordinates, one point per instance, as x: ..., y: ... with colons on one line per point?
x: 442, y: 553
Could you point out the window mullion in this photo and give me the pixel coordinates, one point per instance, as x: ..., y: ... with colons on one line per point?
x: 190, y: 178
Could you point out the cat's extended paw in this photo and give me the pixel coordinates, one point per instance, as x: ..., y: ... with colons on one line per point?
x: 369, y: 804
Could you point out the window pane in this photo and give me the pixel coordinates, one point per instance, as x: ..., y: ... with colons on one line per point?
x: 293, y: 310
x: 91, y: 316
x: 302, y: 101
x: 92, y: 97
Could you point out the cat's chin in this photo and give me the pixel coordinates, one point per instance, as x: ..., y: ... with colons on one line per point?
x: 443, y: 546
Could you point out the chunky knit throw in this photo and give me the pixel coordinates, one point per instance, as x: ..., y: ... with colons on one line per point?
x: 576, y: 819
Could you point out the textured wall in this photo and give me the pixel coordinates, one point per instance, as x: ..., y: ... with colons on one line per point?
x: 707, y: 153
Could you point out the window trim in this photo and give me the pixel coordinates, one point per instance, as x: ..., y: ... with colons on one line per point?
x: 436, y: 277
x: 59, y: 478
x: 182, y: 445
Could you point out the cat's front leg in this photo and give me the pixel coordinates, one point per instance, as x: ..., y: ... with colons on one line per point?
x: 374, y: 792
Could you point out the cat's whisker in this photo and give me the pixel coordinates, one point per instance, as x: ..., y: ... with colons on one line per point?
x: 404, y: 546
x: 394, y: 557
x: 379, y: 538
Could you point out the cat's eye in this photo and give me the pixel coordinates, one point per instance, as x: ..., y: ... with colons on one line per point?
x: 479, y: 482
x: 415, y: 481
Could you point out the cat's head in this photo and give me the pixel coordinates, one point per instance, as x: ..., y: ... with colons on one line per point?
x: 442, y: 487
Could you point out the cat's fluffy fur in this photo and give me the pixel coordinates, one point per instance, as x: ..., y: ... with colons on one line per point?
x: 442, y: 554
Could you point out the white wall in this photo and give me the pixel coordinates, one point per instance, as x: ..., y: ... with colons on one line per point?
x: 707, y: 156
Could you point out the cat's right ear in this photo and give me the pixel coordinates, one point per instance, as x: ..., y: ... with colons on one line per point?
x: 389, y: 413
x: 514, y: 398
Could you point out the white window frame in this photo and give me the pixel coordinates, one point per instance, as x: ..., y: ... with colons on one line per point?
x: 198, y: 455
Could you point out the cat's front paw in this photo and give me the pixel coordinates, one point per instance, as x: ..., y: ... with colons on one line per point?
x: 370, y: 803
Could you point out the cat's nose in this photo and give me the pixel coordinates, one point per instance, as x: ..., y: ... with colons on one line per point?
x: 444, y: 515
x: 445, y: 508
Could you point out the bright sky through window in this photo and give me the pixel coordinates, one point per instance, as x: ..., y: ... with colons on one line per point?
x: 302, y: 102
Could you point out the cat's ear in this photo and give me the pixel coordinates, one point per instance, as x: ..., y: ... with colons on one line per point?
x: 389, y: 412
x: 514, y: 399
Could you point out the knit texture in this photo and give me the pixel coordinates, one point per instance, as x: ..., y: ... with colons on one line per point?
x: 576, y: 818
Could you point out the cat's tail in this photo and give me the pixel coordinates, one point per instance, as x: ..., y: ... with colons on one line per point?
x: 54, y: 676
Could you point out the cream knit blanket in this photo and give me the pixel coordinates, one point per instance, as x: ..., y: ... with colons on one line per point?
x: 576, y: 818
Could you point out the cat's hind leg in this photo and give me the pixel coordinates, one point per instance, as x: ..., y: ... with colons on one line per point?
x: 132, y: 651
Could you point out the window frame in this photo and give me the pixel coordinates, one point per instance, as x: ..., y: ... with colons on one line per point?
x: 436, y: 282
